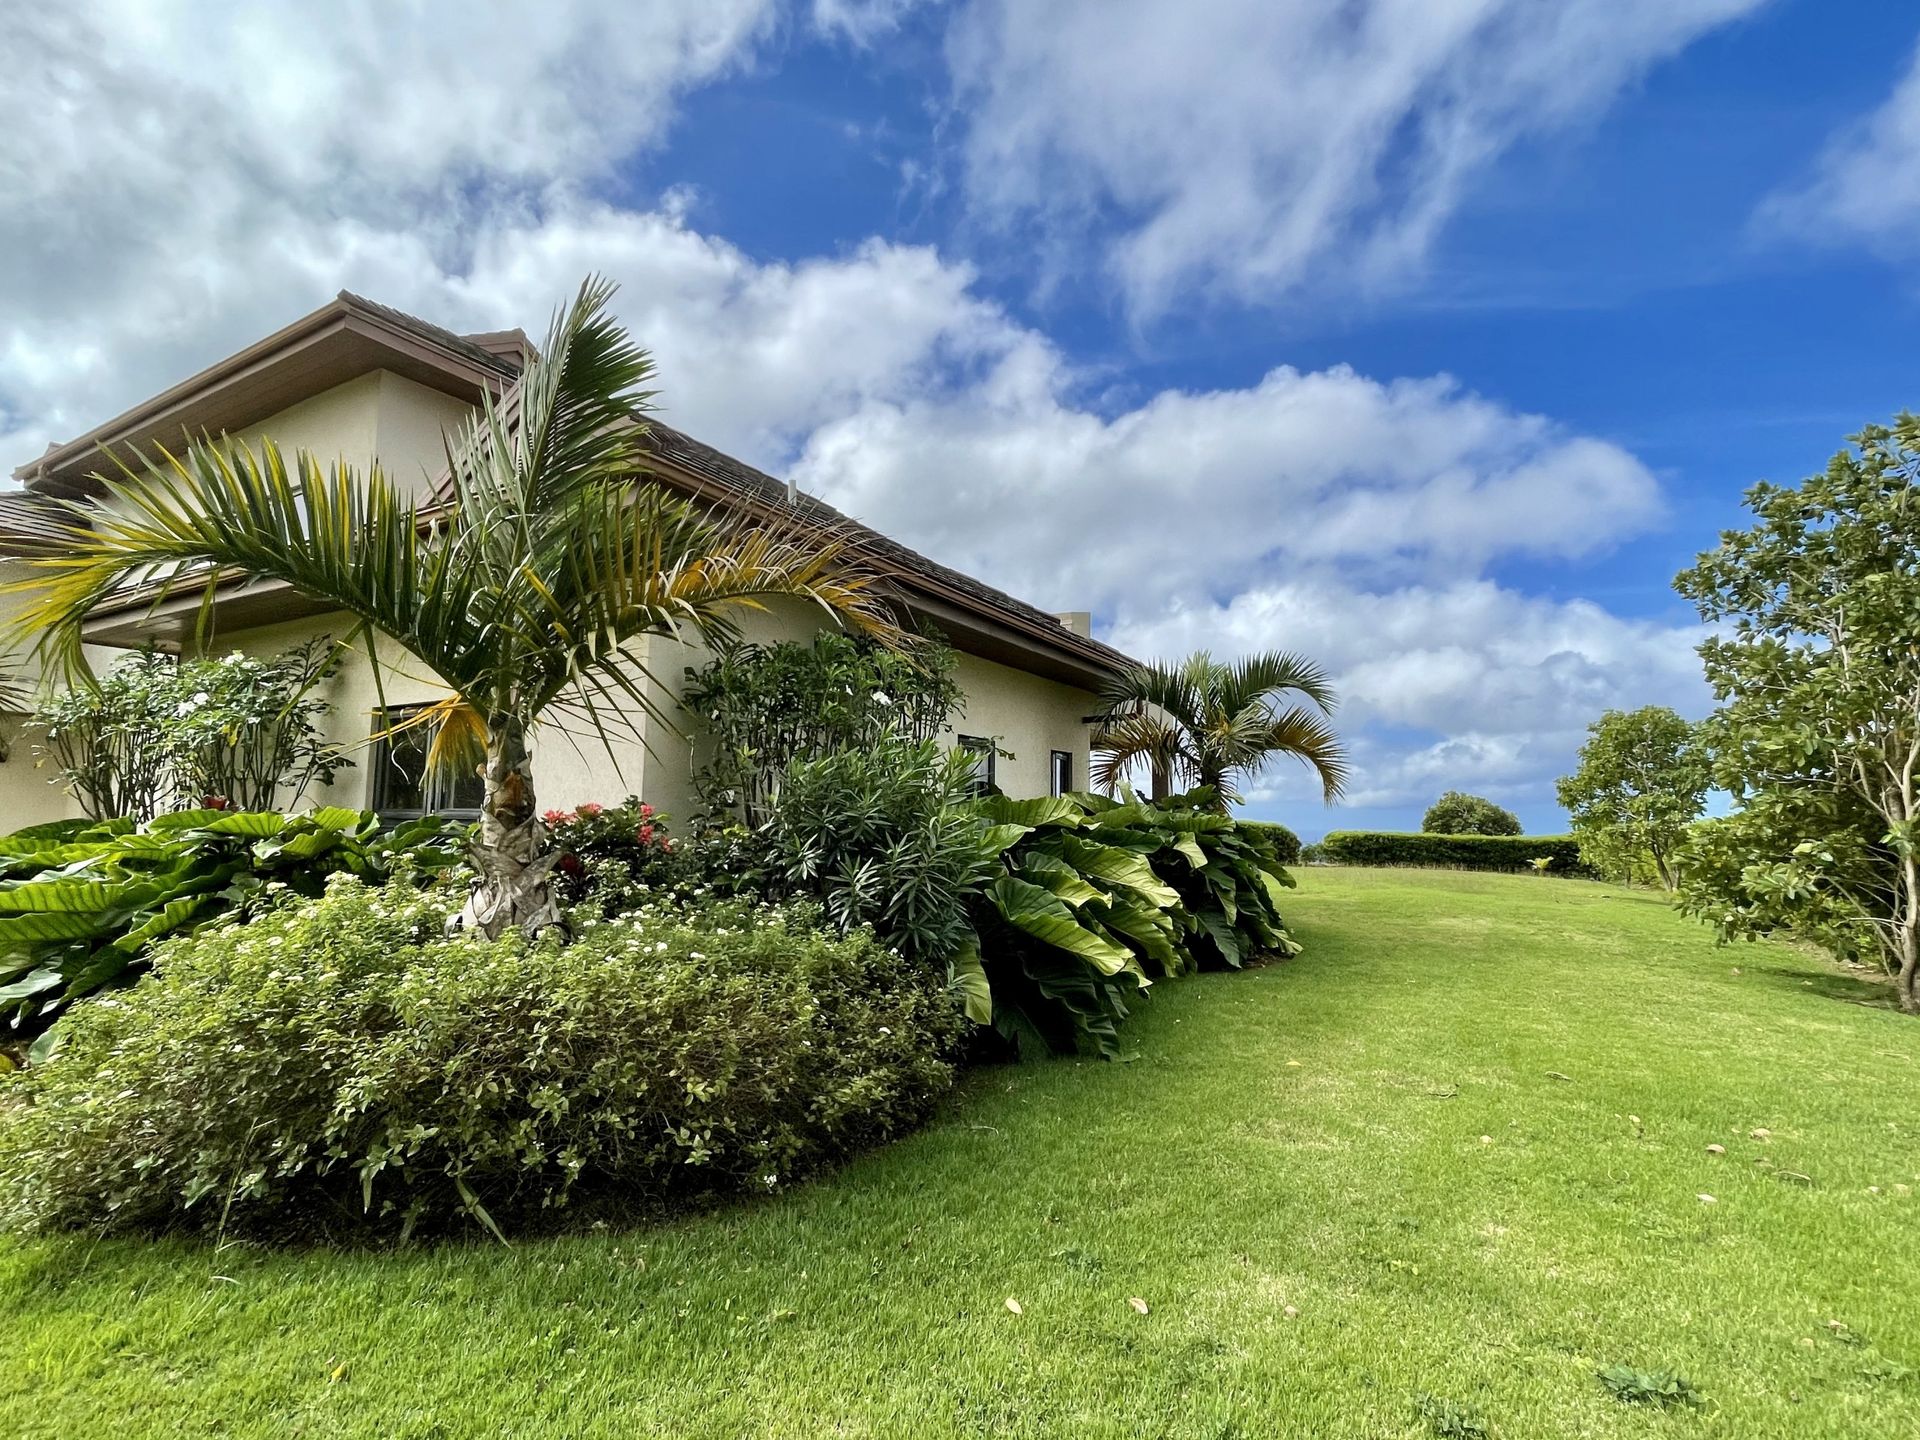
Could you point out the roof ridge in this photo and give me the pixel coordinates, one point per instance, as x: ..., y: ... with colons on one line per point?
x: 426, y: 329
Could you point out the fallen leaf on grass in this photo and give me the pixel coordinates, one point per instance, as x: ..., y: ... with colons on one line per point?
x: 1705, y: 1199
x: 1761, y: 1134
x: 1556, y: 1075
x: 1014, y: 1306
x: 1293, y: 1064
x: 1716, y: 1149
x: 1138, y: 1304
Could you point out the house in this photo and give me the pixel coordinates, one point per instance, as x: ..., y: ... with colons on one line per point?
x: 355, y: 380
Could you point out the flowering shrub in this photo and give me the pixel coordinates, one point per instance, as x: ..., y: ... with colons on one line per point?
x: 343, y: 1063
x: 155, y: 734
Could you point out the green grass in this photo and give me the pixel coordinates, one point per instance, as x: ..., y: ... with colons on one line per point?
x: 1338, y: 1184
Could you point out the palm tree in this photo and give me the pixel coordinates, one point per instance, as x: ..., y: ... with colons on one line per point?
x: 521, y: 583
x: 1210, y: 723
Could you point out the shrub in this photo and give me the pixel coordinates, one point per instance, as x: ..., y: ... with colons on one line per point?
x: 879, y: 836
x: 342, y: 1064
x: 1286, y: 844
x: 1456, y: 813
x: 768, y: 707
x: 1454, y: 852
x: 1095, y: 898
x: 80, y: 903
x: 155, y: 734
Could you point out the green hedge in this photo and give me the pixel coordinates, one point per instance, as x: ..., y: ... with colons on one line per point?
x: 1454, y: 852
x: 1286, y: 844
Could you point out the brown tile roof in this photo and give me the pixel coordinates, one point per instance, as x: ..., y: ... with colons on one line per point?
x: 28, y: 522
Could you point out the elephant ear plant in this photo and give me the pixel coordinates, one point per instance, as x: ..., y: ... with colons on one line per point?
x: 525, y: 583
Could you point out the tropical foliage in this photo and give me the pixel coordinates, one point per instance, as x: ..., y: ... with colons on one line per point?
x: 343, y: 1064
x: 1549, y: 854
x: 523, y: 584
x: 155, y: 733
x: 1095, y: 899
x: 1210, y: 725
x: 767, y: 706
x: 82, y: 902
x: 1457, y: 813
x: 1641, y: 783
x: 1816, y: 669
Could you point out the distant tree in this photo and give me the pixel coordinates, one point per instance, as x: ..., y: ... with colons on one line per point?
x: 1642, y: 781
x: 1817, y: 734
x: 1457, y: 813
x: 1208, y: 723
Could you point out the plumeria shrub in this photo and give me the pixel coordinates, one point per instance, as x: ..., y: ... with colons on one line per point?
x: 767, y: 707
x: 342, y: 1065
x: 155, y: 734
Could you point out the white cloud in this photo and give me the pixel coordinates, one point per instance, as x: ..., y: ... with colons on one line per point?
x: 1465, y: 684
x: 178, y: 180
x: 861, y: 21
x: 1251, y: 146
x: 1196, y: 494
x: 1866, y: 186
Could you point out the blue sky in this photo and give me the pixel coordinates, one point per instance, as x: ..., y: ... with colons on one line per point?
x: 1428, y: 336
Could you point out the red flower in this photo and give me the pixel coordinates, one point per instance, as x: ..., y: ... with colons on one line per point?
x: 557, y: 817
x: 214, y: 802
x: 589, y: 810
x: 646, y: 811
x: 646, y: 834
x: 570, y: 864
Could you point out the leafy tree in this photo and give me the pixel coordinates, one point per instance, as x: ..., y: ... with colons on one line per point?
x: 1641, y: 782
x: 1209, y: 724
x: 1458, y: 813
x: 523, y: 587
x: 768, y: 705
x: 1817, y: 734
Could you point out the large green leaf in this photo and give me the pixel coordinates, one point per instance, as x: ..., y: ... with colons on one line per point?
x: 1045, y: 811
x: 969, y: 977
x: 1044, y: 916
x: 1113, y: 865
x: 1059, y: 877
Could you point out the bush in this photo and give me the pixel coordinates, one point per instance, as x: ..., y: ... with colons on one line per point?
x: 879, y: 836
x: 1454, y: 852
x: 155, y: 734
x: 1286, y: 844
x: 768, y: 707
x: 1455, y: 813
x: 342, y: 1064
x: 1095, y: 898
x: 81, y: 902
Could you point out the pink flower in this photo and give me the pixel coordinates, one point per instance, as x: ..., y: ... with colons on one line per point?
x: 646, y: 812
x: 589, y: 810
x: 557, y: 817
x: 646, y: 834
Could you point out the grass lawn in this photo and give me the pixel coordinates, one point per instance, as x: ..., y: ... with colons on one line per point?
x: 1457, y: 1147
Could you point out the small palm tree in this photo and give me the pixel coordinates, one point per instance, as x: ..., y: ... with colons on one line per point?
x: 1210, y: 724
x: 522, y: 585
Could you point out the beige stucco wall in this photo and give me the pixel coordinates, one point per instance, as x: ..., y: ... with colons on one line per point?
x: 385, y: 415
x: 28, y: 794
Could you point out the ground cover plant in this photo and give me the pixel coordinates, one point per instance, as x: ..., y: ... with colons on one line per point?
x: 1291, y: 1177
x: 346, y: 1066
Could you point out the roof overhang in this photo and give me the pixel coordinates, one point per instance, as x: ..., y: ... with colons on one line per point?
x: 341, y: 341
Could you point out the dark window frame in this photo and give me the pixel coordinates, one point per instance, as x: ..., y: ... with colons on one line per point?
x: 437, y: 792
x: 1059, y: 775
x: 984, y: 753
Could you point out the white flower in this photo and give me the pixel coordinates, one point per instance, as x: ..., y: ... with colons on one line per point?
x: 185, y: 707
x: 881, y: 697
x: 201, y: 697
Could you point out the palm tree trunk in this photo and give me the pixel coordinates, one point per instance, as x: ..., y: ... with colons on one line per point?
x: 511, y: 888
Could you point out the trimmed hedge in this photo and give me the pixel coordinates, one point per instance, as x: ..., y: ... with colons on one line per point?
x: 1286, y: 844
x: 1454, y: 852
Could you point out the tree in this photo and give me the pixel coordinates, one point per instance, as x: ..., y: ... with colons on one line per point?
x: 1817, y: 731
x: 1641, y: 782
x: 1457, y: 813
x: 523, y: 586
x: 1212, y: 724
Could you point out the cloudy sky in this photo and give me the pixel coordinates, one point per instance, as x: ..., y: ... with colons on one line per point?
x: 1429, y: 337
